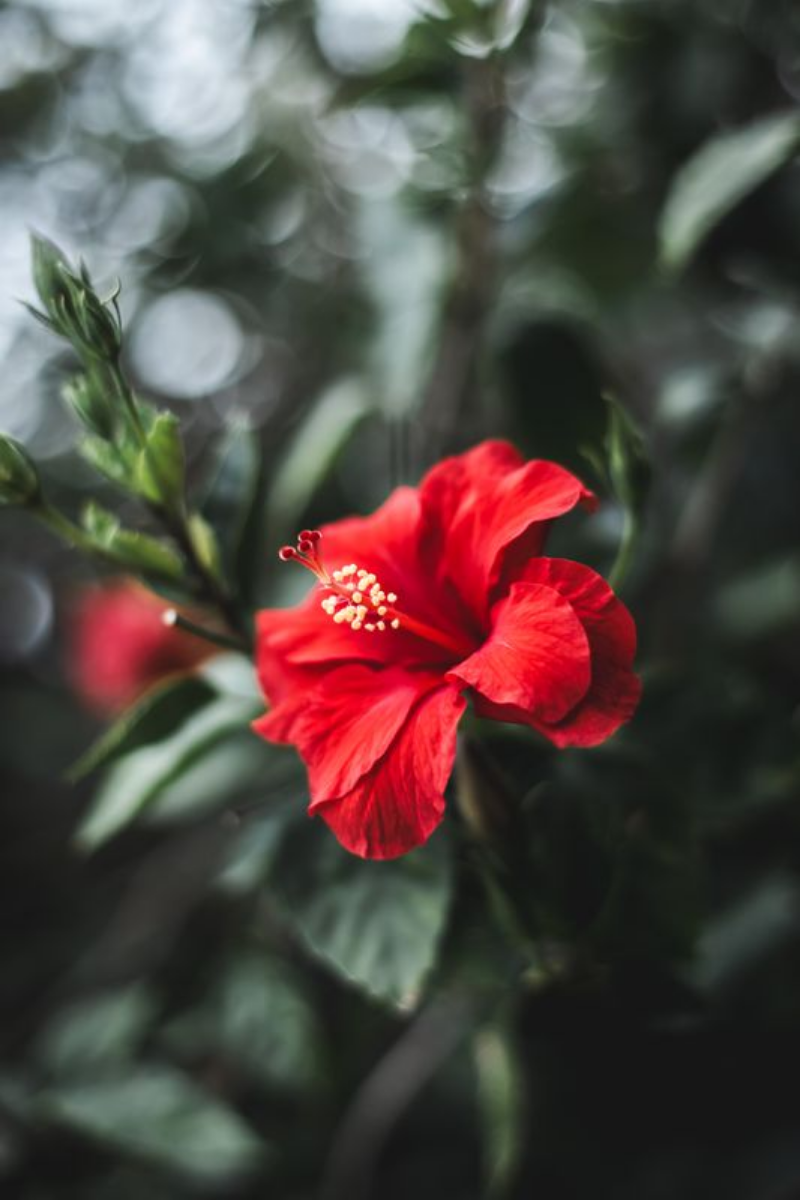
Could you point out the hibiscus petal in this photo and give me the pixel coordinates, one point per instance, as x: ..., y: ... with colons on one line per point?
x: 536, y: 656
x: 294, y: 645
x: 400, y: 802
x: 615, y: 689
x: 386, y: 538
x: 478, y: 506
x: 344, y: 725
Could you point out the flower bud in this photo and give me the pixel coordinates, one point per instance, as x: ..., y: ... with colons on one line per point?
x: 50, y: 274
x: 72, y: 307
x: 19, y: 481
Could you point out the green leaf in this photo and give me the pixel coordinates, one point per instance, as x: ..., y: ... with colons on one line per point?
x: 19, y: 481
x: 132, y: 550
x: 501, y: 1096
x: 406, y: 264
x: 205, y: 544
x: 377, y: 924
x: 258, y: 1017
x: 160, y: 467
x: 97, y: 1034
x: 314, y: 449
x: 717, y: 177
x: 233, y: 505
x: 153, y: 718
x: 138, y: 779
x: 109, y: 460
x: 86, y: 395
x: 156, y: 1113
x: 139, y: 552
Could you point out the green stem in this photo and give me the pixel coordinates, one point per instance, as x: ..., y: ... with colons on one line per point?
x: 175, y: 619
x: 626, y: 551
x: 68, y: 531
x: 177, y: 525
x: 175, y: 521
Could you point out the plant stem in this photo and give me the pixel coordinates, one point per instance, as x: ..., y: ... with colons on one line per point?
x: 176, y: 523
x: 175, y: 619
x: 625, y: 554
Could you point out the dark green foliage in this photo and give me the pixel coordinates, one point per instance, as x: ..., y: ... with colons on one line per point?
x: 573, y: 224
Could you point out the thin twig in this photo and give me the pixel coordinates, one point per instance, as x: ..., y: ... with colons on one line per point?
x: 176, y: 620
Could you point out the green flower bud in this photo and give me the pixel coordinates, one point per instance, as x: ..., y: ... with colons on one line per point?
x: 51, y: 273
x: 72, y: 307
x: 19, y: 481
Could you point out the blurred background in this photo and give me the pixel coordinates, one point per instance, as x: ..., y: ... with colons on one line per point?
x: 371, y: 234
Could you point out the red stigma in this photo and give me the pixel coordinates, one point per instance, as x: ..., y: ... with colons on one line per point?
x: 305, y: 553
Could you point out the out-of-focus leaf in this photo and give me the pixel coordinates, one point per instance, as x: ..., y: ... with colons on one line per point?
x: 501, y: 1105
x: 233, y: 501
x: 406, y: 262
x: 160, y: 467
x: 154, y: 717
x: 651, y: 911
x: 158, y: 1114
x: 258, y: 1018
x: 98, y: 1034
x: 717, y: 177
x: 138, y: 779
x: 736, y: 939
x: 231, y: 675
x: 477, y: 30
x: 763, y: 602
x: 19, y: 481
x: 377, y: 924
x: 316, y: 445
x: 553, y: 382
x: 206, y: 545
x: 234, y: 772
x: 106, y: 459
x: 133, y: 550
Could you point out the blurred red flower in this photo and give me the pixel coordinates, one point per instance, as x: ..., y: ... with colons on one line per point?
x: 451, y: 595
x: 119, y: 646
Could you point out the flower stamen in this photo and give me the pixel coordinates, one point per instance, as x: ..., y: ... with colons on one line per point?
x: 355, y: 596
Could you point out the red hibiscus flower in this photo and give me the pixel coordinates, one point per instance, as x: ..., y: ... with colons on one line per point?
x: 441, y: 594
x: 119, y: 645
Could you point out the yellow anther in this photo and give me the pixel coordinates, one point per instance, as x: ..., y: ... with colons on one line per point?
x: 391, y: 598
x: 354, y: 594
